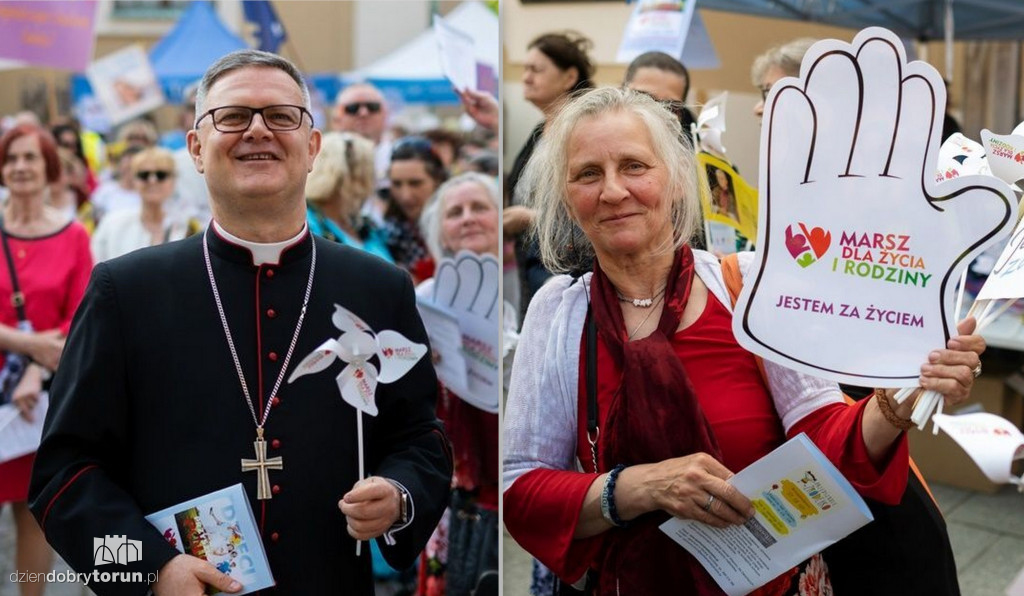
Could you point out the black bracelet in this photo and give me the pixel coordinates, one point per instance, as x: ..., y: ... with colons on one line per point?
x: 608, y: 509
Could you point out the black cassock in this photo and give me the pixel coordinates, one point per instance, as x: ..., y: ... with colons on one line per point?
x: 147, y: 410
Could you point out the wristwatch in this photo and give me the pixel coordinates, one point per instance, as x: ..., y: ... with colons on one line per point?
x: 403, y: 507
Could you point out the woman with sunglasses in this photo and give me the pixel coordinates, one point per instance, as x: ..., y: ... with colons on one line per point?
x: 121, y: 232
x: 48, y: 261
x: 415, y: 173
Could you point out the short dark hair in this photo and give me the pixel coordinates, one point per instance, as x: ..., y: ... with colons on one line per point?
x: 568, y: 49
x: 417, y: 148
x: 441, y: 136
x: 243, y: 59
x: 47, y: 146
x: 659, y: 61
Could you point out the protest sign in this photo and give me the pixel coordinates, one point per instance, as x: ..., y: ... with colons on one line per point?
x: 53, y: 34
x: 859, y: 248
x: 731, y: 201
x: 656, y: 25
x: 125, y: 84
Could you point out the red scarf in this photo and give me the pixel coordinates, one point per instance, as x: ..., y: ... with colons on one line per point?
x: 654, y: 416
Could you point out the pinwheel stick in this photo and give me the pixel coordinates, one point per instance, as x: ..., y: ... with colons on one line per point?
x: 362, y: 464
x: 931, y: 401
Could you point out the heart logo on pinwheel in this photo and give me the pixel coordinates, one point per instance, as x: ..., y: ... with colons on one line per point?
x: 806, y: 247
x: 1019, y: 158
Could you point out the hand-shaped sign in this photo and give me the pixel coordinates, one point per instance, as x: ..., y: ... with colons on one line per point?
x: 466, y: 287
x: 859, y: 246
x: 357, y: 382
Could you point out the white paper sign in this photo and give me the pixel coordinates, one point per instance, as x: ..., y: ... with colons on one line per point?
x: 656, y: 25
x: 1005, y: 155
x: 859, y: 249
x: 457, y: 54
x: 711, y: 124
x: 18, y: 436
x: 446, y: 343
x: 991, y: 441
x: 466, y: 287
x: 125, y: 84
x: 802, y: 504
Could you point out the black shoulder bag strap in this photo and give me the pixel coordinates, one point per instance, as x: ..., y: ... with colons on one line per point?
x: 17, y: 298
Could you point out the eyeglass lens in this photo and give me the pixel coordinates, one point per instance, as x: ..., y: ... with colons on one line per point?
x: 353, y: 108
x: 239, y: 118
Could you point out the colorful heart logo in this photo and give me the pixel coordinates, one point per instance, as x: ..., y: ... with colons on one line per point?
x: 806, y: 247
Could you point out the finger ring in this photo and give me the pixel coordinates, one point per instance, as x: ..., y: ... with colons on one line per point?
x: 707, y: 506
x: 977, y: 370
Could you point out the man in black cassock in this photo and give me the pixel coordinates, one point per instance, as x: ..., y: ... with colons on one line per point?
x: 148, y: 409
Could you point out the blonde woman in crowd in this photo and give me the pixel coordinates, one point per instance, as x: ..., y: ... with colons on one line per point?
x: 342, y: 179
x: 152, y: 174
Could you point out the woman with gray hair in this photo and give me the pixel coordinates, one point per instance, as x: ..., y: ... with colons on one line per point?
x: 342, y: 179
x: 464, y: 217
x: 776, y: 63
x: 669, y: 405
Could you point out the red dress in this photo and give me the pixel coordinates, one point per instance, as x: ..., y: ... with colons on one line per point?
x: 542, y: 506
x: 53, y: 272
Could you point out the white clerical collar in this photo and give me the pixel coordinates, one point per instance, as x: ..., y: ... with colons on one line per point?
x: 262, y: 253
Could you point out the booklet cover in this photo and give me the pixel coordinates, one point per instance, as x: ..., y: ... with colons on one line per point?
x: 802, y: 503
x: 219, y: 528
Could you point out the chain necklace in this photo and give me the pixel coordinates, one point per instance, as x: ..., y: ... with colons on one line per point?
x: 261, y: 464
x: 651, y: 312
x: 640, y: 302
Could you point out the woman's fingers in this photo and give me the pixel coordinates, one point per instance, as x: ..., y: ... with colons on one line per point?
x: 695, y: 487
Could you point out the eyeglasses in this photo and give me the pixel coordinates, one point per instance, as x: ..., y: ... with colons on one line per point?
x: 280, y: 118
x: 764, y: 92
x: 353, y: 108
x: 149, y: 175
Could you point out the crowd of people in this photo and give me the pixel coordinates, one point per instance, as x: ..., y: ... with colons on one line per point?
x: 75, y: 200
x: 629, y: 401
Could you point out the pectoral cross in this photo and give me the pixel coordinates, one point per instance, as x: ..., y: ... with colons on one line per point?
x: 262, y: 465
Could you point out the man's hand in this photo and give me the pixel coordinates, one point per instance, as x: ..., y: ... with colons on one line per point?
x: 46, y: 347
x: 26, y: 394
x: 481, y: 107
x: 517, y: 219
x: 185, y: 575
x: 371, y: 507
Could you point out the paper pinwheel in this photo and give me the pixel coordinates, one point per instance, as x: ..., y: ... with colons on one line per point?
x: 356, y: 345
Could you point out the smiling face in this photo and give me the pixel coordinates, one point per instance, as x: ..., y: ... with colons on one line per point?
x: 617, y: 186
x: 469, y: 220
x: 411, y: 186
x: 247, y: 169
x: 543, y: 81
x: 24, y: 169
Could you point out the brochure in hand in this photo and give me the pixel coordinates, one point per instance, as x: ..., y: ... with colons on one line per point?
x: 802, y: 503
x: 219, y: 528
